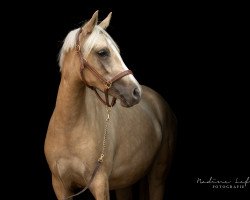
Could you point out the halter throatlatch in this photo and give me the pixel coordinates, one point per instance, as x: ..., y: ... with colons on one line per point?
x: 107, y: 83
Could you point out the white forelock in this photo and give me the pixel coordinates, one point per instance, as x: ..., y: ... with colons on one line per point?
x: 70, y: 41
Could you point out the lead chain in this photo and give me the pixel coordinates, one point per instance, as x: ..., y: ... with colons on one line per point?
x: 100, y: 159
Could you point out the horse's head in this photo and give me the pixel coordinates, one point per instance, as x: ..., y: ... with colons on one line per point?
x: 98, y: 50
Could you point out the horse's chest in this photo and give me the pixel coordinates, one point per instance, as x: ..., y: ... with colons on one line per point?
x: 75, y: 165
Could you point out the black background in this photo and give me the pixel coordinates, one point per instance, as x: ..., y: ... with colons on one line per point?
x: 194, y: 55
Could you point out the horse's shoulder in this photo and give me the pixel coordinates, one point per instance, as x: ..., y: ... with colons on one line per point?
x: 156, y: 102
x: 151, y: 95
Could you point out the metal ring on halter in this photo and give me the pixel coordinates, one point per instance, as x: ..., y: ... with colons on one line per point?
x: 108, y: 85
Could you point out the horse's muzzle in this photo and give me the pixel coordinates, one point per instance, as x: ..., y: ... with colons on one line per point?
x: 130, y: 98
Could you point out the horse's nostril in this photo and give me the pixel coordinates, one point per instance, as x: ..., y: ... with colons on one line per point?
x: 136, y: 93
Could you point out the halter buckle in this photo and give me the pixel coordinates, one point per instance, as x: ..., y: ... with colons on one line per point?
x: 78, y: 48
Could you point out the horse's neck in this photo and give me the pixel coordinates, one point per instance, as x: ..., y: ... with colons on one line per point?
x: 70, y: 105
x: 75, y: 102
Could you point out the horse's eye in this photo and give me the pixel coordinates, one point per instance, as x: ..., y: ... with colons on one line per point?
x: 103, y: 53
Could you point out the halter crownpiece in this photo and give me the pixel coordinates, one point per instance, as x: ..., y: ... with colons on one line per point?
x: 107, y: 83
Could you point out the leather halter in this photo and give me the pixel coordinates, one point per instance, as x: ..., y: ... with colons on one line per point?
x: 107, y: 83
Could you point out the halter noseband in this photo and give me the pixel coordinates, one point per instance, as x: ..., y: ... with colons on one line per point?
x: 107, y: 83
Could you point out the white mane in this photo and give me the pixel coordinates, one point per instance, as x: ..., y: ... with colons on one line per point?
x: 70, y: 41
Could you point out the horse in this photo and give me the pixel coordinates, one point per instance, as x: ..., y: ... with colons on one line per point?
x: 95, y: 144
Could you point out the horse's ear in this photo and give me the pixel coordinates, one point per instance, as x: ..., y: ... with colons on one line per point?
x: 89, y: 26
x: 105, y: 23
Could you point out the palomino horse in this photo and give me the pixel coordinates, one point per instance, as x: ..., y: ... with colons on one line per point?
x: 92, y: 143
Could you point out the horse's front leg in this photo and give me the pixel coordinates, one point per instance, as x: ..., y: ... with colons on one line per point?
x: 100, y: 187
x: 60, y: 190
